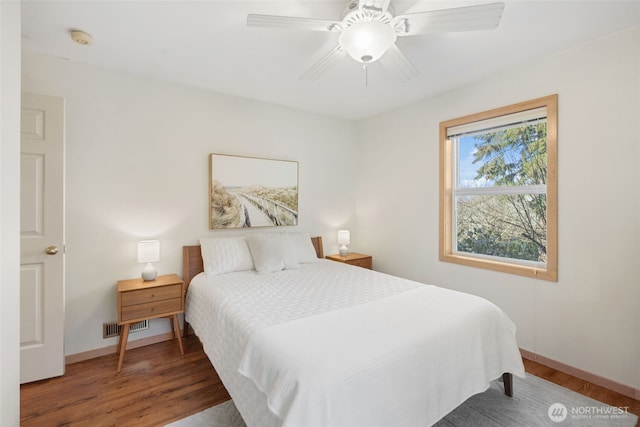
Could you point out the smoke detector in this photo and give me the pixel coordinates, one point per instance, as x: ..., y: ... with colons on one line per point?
x: 80, y: 37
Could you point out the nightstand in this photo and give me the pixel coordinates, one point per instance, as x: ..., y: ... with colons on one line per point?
x: 139, y: 300
x: 353, y: 258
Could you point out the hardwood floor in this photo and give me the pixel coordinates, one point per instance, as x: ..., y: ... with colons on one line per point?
x: 157, y: 386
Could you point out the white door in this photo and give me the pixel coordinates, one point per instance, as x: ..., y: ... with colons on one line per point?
x: 41, y: 238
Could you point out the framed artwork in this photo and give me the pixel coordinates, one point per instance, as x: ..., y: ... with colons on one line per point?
x: 252, y: 192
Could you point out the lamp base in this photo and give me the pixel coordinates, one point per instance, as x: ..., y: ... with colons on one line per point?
x: 149, y: 276
x: 149, y: 273
x: 343, y: 250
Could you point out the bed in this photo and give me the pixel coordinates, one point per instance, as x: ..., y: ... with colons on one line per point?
x: 319, y: 343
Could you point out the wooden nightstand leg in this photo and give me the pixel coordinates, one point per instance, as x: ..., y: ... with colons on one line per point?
x: 124, y: 336
x: 176, y: 325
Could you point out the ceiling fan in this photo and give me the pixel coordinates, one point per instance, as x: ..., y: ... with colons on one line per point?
x: 368, y: 31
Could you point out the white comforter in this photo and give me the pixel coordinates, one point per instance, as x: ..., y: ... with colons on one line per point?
x: 335, y: 345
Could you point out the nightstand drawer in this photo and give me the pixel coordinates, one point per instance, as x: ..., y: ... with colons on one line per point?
x: 151, y: 295
x: 362, y: 262
x: 151, y: 309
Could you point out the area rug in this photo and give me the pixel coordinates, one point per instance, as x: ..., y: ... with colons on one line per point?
x: 536, y: 402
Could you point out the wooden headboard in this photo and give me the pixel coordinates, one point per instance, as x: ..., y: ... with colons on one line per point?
x: 192, y: 259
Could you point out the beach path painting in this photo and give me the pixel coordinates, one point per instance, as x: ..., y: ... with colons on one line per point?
x: 252, y: 192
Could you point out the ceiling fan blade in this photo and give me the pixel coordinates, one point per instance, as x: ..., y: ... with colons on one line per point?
x: 470, y: 18
x: 374, y: 5
x: 323, y: 64
x: 395, y: 61
x: 292, y: 22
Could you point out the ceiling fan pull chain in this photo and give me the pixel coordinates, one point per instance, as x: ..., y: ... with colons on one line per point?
x: 366, y: 75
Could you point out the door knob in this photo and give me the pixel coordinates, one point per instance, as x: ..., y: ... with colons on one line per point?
x: 51, y: 250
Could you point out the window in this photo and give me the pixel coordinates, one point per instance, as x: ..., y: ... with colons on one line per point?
x: 498, y: 189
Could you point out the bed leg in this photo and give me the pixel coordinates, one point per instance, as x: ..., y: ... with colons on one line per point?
x: 507, y: 379
x: 185, y: 330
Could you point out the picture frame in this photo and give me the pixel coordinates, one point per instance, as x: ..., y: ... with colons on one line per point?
x: 252, y: 192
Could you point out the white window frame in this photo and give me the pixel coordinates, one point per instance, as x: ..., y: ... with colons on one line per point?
x: 525, y: 111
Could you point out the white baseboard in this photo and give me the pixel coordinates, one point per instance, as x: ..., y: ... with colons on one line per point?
x: 583, y: 375
x: 111, y: 349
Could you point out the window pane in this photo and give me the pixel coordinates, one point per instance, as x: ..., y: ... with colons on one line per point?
x: 512, y: 226
x: 468, y: 170
x: 515, y: 155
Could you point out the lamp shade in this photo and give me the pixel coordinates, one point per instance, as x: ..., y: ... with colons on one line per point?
x: 148, y: 251
x: 367, y: 41
x: 344, y: 237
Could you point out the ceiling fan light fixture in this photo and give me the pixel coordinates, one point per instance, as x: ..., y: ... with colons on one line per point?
x: 367, y: 41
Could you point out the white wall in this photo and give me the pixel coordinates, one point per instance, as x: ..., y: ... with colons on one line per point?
x: 137, y: 167
x: 9, y: 212
x: 590, y: 318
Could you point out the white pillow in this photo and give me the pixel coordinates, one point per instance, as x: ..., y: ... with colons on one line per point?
x: 303, y: 248
x: 272, y: 252
x: 225, y: 255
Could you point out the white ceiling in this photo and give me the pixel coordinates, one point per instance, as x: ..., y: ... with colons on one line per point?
x: 207, y: 44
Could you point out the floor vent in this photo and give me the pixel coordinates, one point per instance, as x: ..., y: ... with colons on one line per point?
x: 112, y: 329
